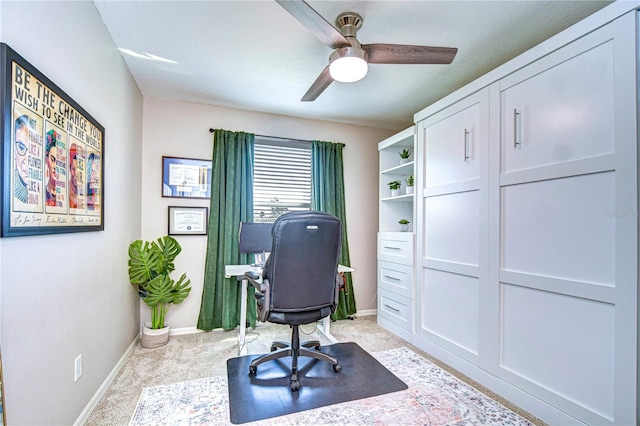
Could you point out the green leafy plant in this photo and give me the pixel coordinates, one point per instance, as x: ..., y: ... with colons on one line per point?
x: 395, y: 184
x: 150, y: 266
x: 410, y: 180
x: 405, y: 153
x: 403, y: 222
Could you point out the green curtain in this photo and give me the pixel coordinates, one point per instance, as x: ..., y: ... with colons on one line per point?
x: 231, y: 203
x: 327, y: 195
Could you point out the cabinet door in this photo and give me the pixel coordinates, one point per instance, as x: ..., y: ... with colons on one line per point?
x: 452, y: 280
x: 556, y: 111
x: 452, y: 145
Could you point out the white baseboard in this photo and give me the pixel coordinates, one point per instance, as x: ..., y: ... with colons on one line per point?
x: 184, y: 330
x: 367, y: 312
x: 84, y: 416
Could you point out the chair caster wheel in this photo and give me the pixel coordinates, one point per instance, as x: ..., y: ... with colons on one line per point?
x: 294, y: 385
x: 253, y: 370
x: 337, y: 368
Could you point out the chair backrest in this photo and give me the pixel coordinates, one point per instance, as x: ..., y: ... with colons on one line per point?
x: 304, y: 260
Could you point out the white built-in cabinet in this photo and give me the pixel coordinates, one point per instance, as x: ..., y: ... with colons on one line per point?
x: 396, y: 252
x: 525, y: 274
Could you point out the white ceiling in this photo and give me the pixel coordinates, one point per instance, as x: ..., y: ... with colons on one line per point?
x: 253, y: 55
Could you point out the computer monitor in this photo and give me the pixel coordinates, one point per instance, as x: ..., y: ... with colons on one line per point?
x: 255, y: 238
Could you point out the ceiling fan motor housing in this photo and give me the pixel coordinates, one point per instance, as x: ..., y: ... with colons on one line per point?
x: 349, y: 23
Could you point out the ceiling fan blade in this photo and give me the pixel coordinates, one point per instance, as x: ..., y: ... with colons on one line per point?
x: 381, y: 53
x: 322, y: 82
x: 315, y: 23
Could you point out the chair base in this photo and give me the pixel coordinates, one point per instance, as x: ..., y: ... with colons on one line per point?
x: 294, y: 350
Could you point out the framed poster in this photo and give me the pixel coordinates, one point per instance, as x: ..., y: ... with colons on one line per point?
x: 52, y: 155
x: 186, y: 177
x: 188, y: 220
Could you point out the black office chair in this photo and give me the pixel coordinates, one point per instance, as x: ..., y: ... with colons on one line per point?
x: 299, y: 283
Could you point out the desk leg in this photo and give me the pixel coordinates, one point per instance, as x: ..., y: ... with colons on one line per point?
x: 325, y: 329
x: 242, y: 350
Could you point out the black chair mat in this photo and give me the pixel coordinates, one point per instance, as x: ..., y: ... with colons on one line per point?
x: 267, y: 394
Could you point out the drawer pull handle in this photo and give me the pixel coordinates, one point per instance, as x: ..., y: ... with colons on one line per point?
x: 392, y: 278
x: 392, y: 308
x: 466, y: 145
x: 517, y: 131
x: 392, y: 248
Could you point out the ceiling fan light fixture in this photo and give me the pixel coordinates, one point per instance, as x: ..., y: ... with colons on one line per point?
x: 348, y: 64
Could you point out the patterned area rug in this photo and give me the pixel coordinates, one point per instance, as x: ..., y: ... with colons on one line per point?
x: 434, y: 397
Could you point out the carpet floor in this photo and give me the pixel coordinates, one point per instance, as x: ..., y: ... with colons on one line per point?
x: 434, y: 397
x: 204, y: 355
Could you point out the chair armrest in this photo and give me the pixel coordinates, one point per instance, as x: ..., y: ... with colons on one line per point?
x: 256, y: 281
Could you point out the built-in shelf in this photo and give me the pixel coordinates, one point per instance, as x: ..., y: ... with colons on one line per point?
x: 407, y: 198
x: 402, y: 169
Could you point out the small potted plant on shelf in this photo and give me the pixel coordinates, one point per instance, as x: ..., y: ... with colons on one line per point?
x: 395, y: 187
x: 409, y: 188
x: 404, y: 155
x: 150, y: 266
x: 404, y: 225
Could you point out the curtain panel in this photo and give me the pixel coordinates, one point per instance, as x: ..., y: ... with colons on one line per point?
x: 327, y: 195
x: 231, y: 203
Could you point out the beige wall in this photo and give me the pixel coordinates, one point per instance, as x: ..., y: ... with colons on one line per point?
x: 65, y: 295
x: 182, y: 130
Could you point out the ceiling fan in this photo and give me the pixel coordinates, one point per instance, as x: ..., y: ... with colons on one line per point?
x: 350, y: 59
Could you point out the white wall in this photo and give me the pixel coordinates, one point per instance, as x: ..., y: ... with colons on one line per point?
x: 64, y: 295
x: 181, y: 129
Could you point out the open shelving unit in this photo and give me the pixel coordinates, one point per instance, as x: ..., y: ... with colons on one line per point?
x: 394, y: 208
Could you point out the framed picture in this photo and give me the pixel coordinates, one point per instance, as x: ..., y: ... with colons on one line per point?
x: 186, y: 178
x: 52, y: 155
x: 188, y: 220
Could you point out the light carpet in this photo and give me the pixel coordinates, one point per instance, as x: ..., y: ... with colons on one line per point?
x: 434, y: 397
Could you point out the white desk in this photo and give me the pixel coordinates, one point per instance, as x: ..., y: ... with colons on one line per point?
x: 238, y: 271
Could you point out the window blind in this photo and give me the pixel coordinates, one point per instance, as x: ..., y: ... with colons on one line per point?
x: 281, y: 178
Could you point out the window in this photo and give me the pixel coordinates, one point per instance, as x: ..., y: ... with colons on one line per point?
x: 281, y: 178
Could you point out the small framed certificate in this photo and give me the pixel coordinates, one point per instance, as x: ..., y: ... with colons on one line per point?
x: 188, y: 220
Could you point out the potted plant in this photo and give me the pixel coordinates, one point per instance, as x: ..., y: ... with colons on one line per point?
x: 409, y: 188
x: 150, y: 266
x: 404, y: 155
x: 404, y: 225
x: 395, y: 187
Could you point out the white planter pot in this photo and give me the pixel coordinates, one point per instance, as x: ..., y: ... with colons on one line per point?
x: 409, y: 189
x: 395, y: 192
x: 404, y: 227
x: 404, y: 160
x: 154, y: 338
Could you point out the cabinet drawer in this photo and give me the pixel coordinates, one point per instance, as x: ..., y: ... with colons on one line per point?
x: 395, y: 308
x: 396, y: 247
x: 395, y: 278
